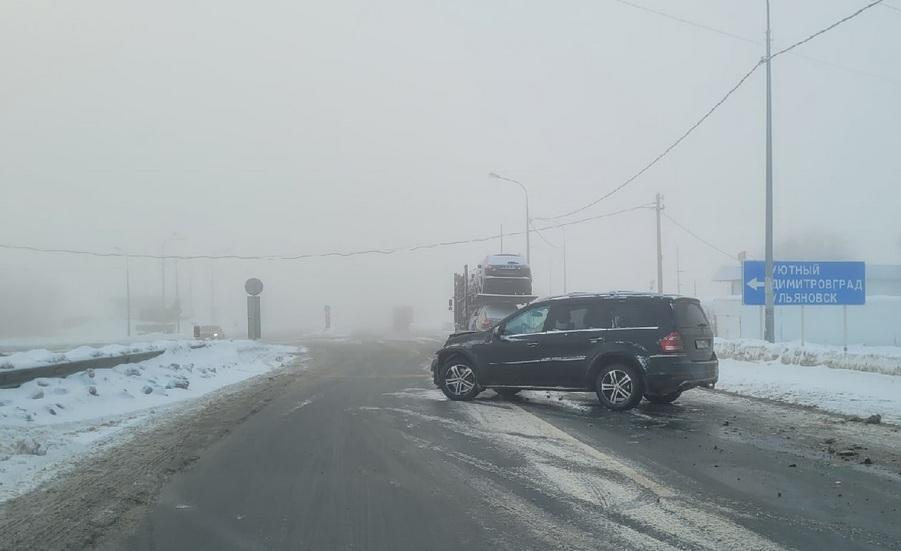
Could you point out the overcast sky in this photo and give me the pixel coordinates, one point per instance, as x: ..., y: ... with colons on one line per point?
x: 289, y: 127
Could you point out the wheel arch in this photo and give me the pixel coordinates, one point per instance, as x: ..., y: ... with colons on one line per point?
x: 608, y: 358
x: 447, y: 354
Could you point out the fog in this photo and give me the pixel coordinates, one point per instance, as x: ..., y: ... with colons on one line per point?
x: 292, y: 128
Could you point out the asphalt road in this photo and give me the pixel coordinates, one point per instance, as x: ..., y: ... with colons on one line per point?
x: 361, y: 452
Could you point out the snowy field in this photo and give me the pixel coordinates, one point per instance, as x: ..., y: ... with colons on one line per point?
x: 48, y: 422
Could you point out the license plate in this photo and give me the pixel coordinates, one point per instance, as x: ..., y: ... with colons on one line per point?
x: 702, y: 345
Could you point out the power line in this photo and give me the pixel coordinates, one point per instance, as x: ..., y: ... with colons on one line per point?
x: 362, y: 252
x: 706, y: 115
x: 891, y: 7
x: 748, y: 40
x: 689, y: 22
x: 826, y: 29
x: 698, y: 237
x: 541, y: 235
x: 665, y: 152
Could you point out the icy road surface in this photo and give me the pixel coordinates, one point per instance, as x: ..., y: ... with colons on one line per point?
x: 359, y: 451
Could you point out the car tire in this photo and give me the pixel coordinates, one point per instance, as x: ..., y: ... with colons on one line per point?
x: 664, y: 398
x: 507, y: 392
x: 458, y: 380
x: 619, y: 386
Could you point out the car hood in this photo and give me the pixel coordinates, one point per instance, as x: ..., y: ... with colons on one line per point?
x: 466, y: 336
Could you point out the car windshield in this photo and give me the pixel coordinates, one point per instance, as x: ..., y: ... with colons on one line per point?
x: 450, y: 275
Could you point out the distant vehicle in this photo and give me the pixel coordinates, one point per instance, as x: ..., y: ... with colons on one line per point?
x: 501, y: 280
x: 623, y: 346
x: 402, y: 319
x: 488, y: 315
x: 504, y: 274
x: 208, y: 332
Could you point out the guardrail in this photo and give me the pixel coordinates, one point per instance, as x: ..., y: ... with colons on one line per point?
x: 15, y: 377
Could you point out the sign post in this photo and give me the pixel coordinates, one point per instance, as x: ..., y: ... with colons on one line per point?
x: 254, y: 287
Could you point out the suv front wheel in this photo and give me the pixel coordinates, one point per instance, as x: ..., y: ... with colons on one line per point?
x: 459, y: 380
x: 619, y: 386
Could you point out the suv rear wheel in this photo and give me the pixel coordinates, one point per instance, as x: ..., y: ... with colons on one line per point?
x: 619, y: 386
x: 459, y: 380
x: 664, y: 398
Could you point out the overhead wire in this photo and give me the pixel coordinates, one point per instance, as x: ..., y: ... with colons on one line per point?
x: 665, y: 152
x: 710, y: 111
x: 698, y: 237
x: 385, y: 251
x: 749, y: 40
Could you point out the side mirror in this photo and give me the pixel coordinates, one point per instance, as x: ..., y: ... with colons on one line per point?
x: 497, y: 332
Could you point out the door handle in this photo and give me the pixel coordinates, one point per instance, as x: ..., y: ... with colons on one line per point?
x: 596, y: 340
x: 532, y: 344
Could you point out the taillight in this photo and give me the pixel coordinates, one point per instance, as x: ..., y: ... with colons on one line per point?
x: 671, y: 342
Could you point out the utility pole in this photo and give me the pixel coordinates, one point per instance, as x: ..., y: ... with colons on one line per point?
x: 127, y: 290
x: 659, y: 207
x: 678, y: 274
x: 127, y: 295
x: 177, y: 302
x: 502, y: 238
x: 564, y: 258
x: 769, y: 316
x: 163, y: 282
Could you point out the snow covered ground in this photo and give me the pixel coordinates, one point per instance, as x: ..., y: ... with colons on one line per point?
x: 48, y: 422
x: 838, y: 390
x: 876, y: 359
x: 41, y: 357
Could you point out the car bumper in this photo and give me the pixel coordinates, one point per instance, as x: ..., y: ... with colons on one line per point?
x: 667, y: 374
x: 434, y: 368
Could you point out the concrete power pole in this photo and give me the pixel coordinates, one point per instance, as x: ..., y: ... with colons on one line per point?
x: 659, y: 207
x: 769, y: 316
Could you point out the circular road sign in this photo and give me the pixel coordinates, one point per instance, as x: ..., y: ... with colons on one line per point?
x: 253, y: 286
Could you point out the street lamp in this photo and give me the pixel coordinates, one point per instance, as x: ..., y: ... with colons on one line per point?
x: 528, y: 219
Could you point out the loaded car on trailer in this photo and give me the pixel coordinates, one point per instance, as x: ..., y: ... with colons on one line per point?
x: 622, y: 346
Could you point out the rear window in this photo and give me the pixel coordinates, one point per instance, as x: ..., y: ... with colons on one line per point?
x: 690, y: 314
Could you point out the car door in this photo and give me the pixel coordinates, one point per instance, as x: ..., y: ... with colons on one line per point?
x: 516, y: 349
x: 574, y: 330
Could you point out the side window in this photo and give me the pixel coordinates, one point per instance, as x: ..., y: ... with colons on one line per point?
x: 598, y: 316
x: 626, y: 314
x: 527, y: 322
x: 567, y: 317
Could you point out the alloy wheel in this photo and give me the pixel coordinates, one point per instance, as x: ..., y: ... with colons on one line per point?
x: 459, y: 379
x: 617, y: 386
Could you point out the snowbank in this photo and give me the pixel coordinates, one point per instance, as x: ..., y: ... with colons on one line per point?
x: 43, y: 357
x: 837, y: 390
x: 47, y: 422
x: 875, y: 359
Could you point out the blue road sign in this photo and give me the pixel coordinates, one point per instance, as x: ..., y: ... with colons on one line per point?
x: 806, y: 283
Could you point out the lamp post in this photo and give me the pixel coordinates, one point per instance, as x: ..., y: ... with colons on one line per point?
x: 528, y: 219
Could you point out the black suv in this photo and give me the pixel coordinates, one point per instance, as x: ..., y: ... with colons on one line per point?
x: 622, y: 346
